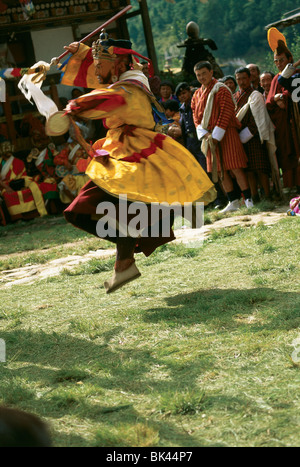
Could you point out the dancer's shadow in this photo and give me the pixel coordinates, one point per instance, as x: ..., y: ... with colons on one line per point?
x: 219, y: 308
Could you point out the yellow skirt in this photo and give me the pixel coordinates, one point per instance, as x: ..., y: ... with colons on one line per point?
x: 149, y: 167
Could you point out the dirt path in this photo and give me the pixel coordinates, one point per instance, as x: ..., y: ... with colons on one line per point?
x: 30, y: 274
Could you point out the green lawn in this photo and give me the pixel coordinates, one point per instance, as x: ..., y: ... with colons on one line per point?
x: 197, y: 352
x: 42, y: 240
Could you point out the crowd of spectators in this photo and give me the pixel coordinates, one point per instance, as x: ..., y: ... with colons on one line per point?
x: 46, y: 179
x: 262, y: 100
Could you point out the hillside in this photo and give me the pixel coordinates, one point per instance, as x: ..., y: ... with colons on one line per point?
x: 236, y: 27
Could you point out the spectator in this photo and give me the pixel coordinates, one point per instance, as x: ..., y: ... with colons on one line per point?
x: 217, y: 126
x: 194, y: 85
x: 230, y: 82
x: 254, y: 75
x: 76, y: 93
x: 190, y: 140
x: 184, y: 93
x: 172, y: 109
x: 265, y: 81
x: 166, y: 91
x: 22, y: 195
x: 282, y: 112
x: 71, y: 164
x: 289, y: 79
x: 154, y: 81
x: 173, y: 128
x: 251, y: 105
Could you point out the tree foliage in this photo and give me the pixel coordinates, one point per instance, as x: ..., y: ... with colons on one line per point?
x: 237, y: 27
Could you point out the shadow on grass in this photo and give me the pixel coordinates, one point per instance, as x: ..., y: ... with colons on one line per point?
x: 78, y: 388
x: 220, y: 307
x: 63, y: 364
x: 62, y: 361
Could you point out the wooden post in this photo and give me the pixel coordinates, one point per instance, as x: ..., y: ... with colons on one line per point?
x: 148, y: 34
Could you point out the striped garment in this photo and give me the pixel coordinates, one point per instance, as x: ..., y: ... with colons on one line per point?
x: 26, y: 203
x: 79, y: 70
x: 258, y: 159
x: 222, y: 116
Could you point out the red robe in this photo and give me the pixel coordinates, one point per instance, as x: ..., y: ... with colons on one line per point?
x: 288, y: 151
x: 222, y: 116
x: 27, y: 202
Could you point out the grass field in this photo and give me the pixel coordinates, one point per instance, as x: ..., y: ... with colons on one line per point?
x: 200, y: 351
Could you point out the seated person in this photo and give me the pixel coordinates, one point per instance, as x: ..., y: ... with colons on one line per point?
x: 21, y: 194
x: 71, y: 164
x: 172, y: 109
x: 42, y: 169
x: 173, y: 128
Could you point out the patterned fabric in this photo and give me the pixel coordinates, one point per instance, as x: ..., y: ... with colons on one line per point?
x: 292, y: 85
x: 287, y: 153
x: 26, y: 201
x: 257, y: 154
x: 7, y: 73
x: 79, y: 69
x: 223, y: 116
x: 147, y: 166
x: 47, y: 178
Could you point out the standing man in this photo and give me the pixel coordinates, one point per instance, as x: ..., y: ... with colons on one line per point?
x: 230, y: 82
x: 217, y: 126
x: 190, y: 138
x: 250, y: 108
x: 265, y: 81
x: 289, y: 78
x: 255, y: 77
x: 283, y: 113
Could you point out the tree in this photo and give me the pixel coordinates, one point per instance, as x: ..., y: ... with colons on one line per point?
x: 238, y: 28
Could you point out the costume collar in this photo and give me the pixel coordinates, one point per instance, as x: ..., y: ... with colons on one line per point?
x: 135, y: 75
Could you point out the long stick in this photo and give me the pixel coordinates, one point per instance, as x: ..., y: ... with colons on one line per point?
x: 111, y: 20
